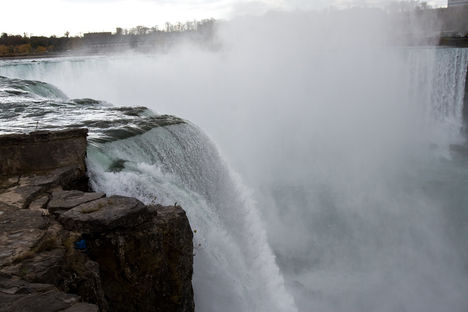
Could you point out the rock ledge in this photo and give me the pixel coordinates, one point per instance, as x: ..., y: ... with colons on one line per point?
x: 65, y: 248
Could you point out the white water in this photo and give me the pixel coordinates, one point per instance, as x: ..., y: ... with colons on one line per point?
x: 234, y: 267
x: 345, y: 147
x: 444, y: 79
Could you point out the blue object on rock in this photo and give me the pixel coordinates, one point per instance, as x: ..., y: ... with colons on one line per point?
x: 81, y: 244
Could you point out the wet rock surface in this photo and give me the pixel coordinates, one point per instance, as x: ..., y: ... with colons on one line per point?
x: 140, y: 248
x: 42, y: 151
x: 106, y: 214
x: 65, y: 200
x: 64, y: 248
x: 18, y: 295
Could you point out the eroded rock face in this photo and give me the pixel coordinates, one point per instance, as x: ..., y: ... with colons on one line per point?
x: 21, y: 230
x: 42, y: 151
x: 139, y: 248
x: 18, y: 295
x: 106, y: 214
x: 63, y: 249
x: 22, y: 296
x: 33, y: 245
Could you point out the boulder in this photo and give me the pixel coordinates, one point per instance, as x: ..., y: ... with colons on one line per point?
x: 145, y: 251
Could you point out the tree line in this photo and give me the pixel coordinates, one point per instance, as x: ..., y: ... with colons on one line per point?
x: 139, y: 37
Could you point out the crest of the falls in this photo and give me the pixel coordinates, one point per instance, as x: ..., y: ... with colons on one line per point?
x: 165, y: 159
x: 235, y: 270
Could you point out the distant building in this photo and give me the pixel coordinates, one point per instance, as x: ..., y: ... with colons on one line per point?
x: 453, y: 3
x: 97, y: 37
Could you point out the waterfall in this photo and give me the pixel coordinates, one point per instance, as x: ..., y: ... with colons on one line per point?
x: 354, y: 160
x: 235, y: 269
x: 443, y: 78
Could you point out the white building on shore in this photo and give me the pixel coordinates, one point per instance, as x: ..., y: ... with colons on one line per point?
x: 454, y: 3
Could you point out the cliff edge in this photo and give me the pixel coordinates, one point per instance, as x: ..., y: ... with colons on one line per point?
x: 65, y: 248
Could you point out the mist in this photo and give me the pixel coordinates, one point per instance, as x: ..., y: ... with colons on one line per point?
x: 343, y: 135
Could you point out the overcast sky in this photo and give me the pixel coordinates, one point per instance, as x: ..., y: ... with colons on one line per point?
x: 48, y: 17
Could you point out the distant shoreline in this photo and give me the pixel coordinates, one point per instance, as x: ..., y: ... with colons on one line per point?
x: 459, y: 42
x: 33, y: 56
x: 51, y: 55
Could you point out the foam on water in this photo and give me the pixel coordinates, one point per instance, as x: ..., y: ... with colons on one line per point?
x: 235, y: 269
x: 444, y: 80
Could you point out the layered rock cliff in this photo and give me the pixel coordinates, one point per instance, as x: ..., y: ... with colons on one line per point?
x: 65, y: 248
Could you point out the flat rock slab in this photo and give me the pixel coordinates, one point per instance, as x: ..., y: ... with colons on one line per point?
x: 28, y: 188
x: 59, y: 176
x: 20, y: 196
x: 106, y: 214
x: 82, y: 307
x: 20, y: 231
x: 65, y: 200
x: 42, y: 267
x: 17, y: 295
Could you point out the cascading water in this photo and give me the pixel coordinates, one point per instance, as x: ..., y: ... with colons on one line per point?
x: 355, y: 157
x: 444, y: 78
x: 234, y: 267
x: 164, y: 159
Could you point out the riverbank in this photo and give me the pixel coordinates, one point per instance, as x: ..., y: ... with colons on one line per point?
x: 459, y: 42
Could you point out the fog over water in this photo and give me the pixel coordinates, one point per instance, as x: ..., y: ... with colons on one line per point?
x: 341, y: 184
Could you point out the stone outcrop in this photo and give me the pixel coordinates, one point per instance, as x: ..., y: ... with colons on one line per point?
x: 18, y: 295
x: 64, y: 249
x: 142, y: 247
x: 42, y: 151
